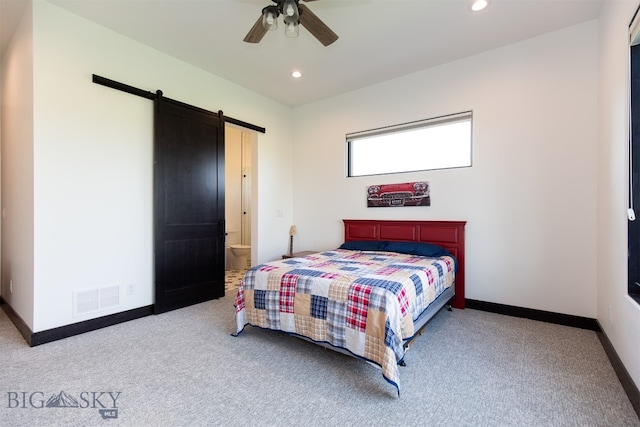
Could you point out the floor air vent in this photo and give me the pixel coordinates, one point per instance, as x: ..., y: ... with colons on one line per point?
x: 93, y: 300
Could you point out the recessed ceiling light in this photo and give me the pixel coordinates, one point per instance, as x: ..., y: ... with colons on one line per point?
x: 296, y: 74
x: 478, y: 5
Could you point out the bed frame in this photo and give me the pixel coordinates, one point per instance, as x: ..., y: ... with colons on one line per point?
x: 448, y: 234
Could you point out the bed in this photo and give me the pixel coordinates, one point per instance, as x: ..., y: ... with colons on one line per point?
x: 368, y: 298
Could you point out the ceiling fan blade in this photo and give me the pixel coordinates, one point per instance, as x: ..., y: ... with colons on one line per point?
x: 256, y: 33
x: 315, y: 26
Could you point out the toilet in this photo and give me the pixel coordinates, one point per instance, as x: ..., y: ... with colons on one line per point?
x: 238, y: 255
x: 241, y: 254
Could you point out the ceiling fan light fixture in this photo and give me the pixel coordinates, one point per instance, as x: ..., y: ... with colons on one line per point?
x: 290, y: 9
x: 294, y: 15
x: 291, y: 27
x: 270, y: 17
x: 291, y: 18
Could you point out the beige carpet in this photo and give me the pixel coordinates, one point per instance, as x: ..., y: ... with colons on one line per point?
x: 183, y: 368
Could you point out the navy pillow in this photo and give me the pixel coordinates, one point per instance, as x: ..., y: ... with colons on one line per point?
x: 417, y: 248
x: 365, y: 245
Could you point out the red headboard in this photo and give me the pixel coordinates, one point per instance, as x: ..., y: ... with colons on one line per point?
x: 448, y: 234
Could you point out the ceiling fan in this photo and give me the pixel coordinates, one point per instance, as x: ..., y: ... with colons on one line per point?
x: 294, y: 14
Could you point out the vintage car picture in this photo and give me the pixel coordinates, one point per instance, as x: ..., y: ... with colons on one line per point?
x: 407, y: 194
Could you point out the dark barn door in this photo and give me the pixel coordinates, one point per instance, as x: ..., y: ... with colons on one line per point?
x: 188, y: 205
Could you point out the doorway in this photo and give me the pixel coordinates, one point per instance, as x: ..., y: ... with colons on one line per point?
x: 238, y: 194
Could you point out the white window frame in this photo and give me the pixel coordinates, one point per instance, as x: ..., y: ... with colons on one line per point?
x: 393, y: 149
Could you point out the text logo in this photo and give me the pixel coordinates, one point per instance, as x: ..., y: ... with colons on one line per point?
x: 106, y: 402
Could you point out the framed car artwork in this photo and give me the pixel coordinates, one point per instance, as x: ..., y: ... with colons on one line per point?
x: 406, y: 194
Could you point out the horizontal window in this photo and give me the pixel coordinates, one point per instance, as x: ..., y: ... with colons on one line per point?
x: 437, y: 143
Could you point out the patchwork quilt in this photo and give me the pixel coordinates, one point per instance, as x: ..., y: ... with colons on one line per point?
x: 361, y: 301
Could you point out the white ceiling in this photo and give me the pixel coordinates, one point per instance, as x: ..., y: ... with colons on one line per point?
x: 379, y: 39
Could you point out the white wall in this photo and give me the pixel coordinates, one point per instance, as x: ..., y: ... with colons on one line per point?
x: 530, y: 197
x: 17, y: 170
x: 91, y: 179
x: 618, y: 314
